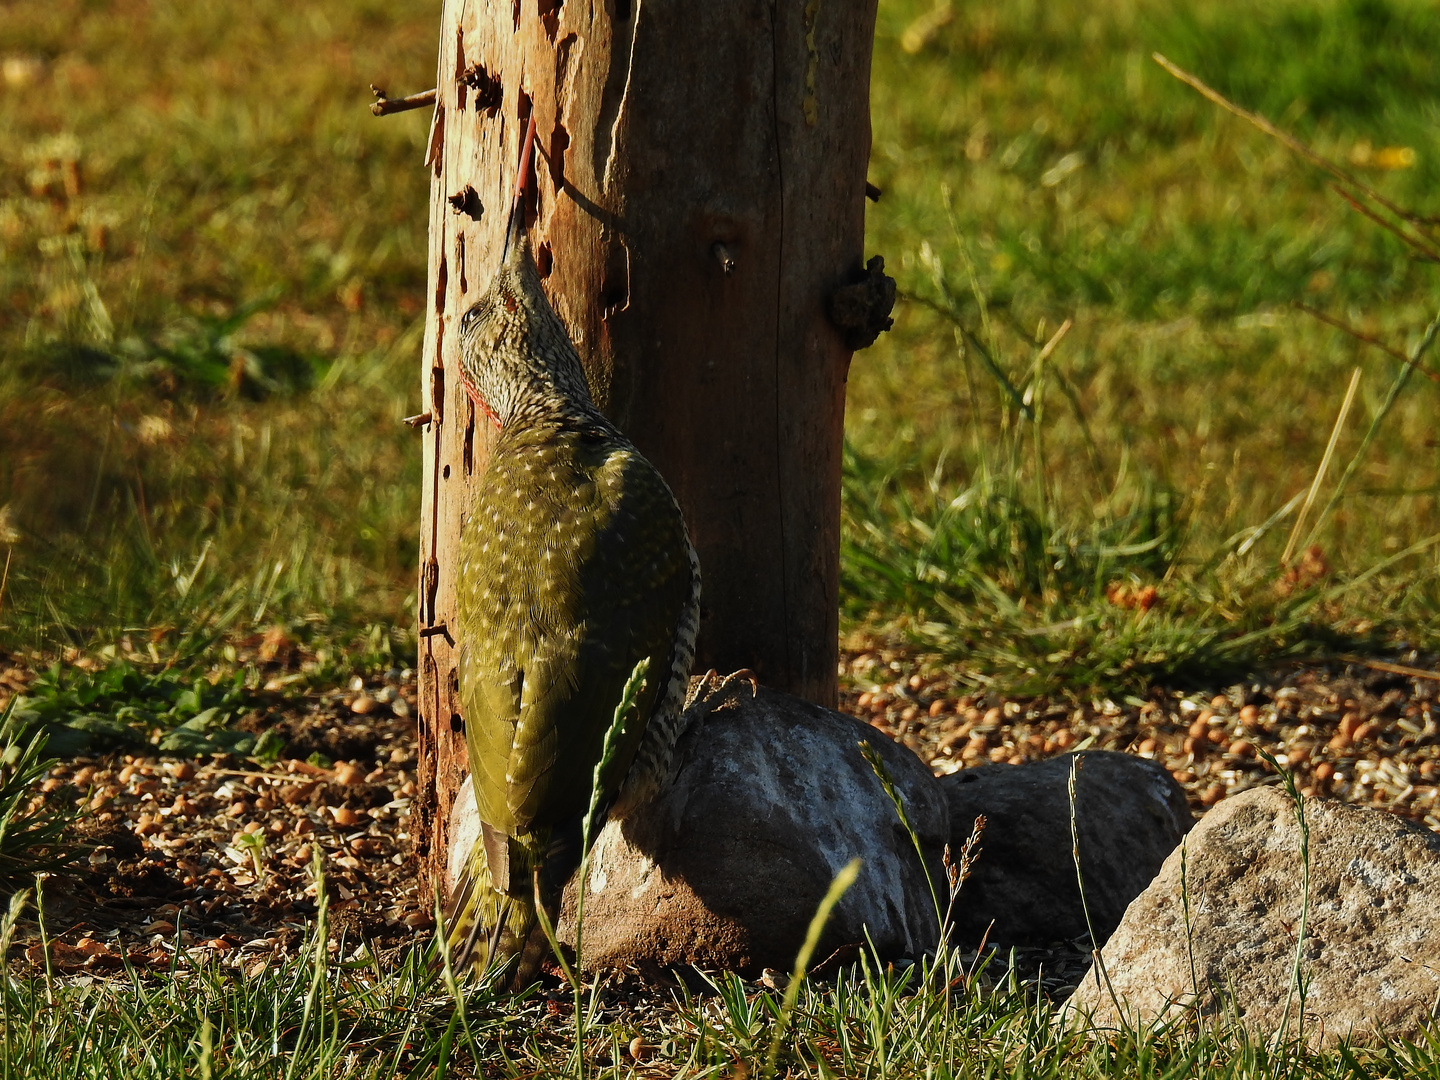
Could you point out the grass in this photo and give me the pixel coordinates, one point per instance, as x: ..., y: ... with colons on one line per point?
x: 1005, y: 505
x: 210, y: 307
x: 318, y: 1016
x: 211, y: 257
x: 32, y: 829
x: 212, y: 261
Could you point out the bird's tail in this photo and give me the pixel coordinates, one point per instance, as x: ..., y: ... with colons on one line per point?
x: 490, y: 928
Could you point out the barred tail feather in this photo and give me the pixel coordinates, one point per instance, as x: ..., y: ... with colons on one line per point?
x: 484, y: 928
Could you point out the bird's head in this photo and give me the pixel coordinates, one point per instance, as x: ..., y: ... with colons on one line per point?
x: 513, y: 347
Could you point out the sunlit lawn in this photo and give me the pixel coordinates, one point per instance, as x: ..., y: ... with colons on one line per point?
x: 211, y: 265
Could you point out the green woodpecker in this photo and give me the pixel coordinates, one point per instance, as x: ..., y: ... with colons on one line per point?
x: 575, y: 564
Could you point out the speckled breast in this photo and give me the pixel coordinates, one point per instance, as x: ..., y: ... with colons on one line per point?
x: 573, y: 565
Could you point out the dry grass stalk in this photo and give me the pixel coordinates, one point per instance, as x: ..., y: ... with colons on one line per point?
x: 1324, y: 467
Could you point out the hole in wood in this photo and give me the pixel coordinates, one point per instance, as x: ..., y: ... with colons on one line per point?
x: 432, y: 585
x: 457, y: 723
x: 461, y: 85
x: 467, y: 202
x: 622, y: 10
x: 544, y: 261
x: 559, y: 143
x: 615, y: 282
x: 427, y: 682
x: 442, y: 280
x: 460, y: 261
x: 468, y: 454
x: 489, y: 93
x: 523, y: 107
x: 516, y: 14
x: 437, y: 393
x: 445, y: 472
x: 437, y: 141
x: 550, y: 17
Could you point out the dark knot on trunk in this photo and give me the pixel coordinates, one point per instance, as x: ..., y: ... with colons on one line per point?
x: 861, y: 309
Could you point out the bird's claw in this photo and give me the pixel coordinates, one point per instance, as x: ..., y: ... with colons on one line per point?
x: 709, y: 690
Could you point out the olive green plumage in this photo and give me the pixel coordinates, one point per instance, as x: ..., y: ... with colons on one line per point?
x: 574, y: 565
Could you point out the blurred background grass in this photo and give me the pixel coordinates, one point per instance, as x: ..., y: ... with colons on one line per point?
x: 212, y: 260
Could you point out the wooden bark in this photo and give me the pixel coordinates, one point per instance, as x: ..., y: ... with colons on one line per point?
x: 701, y: 195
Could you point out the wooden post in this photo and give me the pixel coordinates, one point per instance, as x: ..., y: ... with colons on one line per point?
x: 701, y: 196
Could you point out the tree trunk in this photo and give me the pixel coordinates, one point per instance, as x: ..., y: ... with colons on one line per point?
x: 701, y: 196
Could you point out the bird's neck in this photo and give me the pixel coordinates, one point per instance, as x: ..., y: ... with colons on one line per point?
x: 544, y: 406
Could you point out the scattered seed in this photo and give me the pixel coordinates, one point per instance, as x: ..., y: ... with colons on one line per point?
x: 348, y: 773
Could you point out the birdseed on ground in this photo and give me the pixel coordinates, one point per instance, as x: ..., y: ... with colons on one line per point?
x: 209, y: 861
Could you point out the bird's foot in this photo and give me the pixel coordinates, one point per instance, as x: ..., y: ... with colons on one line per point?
x: 710, y: 690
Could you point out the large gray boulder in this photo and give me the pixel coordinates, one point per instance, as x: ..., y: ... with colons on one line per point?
x: 1371, y: 943
x: 1130, y: 814
x: 771, y: 798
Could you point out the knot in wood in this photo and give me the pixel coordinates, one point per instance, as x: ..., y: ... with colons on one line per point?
x: 861, y: 309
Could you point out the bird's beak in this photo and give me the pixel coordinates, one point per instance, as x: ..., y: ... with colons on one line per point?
x: 515, y: 226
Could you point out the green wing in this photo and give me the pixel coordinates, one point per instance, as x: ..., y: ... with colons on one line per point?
x: 575, y: 565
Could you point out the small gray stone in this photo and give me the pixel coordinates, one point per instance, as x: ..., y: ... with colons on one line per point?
x: 1130, y: 812
x: 1371, y: 942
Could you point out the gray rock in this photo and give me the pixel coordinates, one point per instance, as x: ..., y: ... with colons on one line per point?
x: 725, y: 870
x: 1130, y: 811
x: 1372, y: 943
x: 771, y: 799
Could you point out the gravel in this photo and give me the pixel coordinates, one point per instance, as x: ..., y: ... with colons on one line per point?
x: 1359, y: 731
x: 212, y: 858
